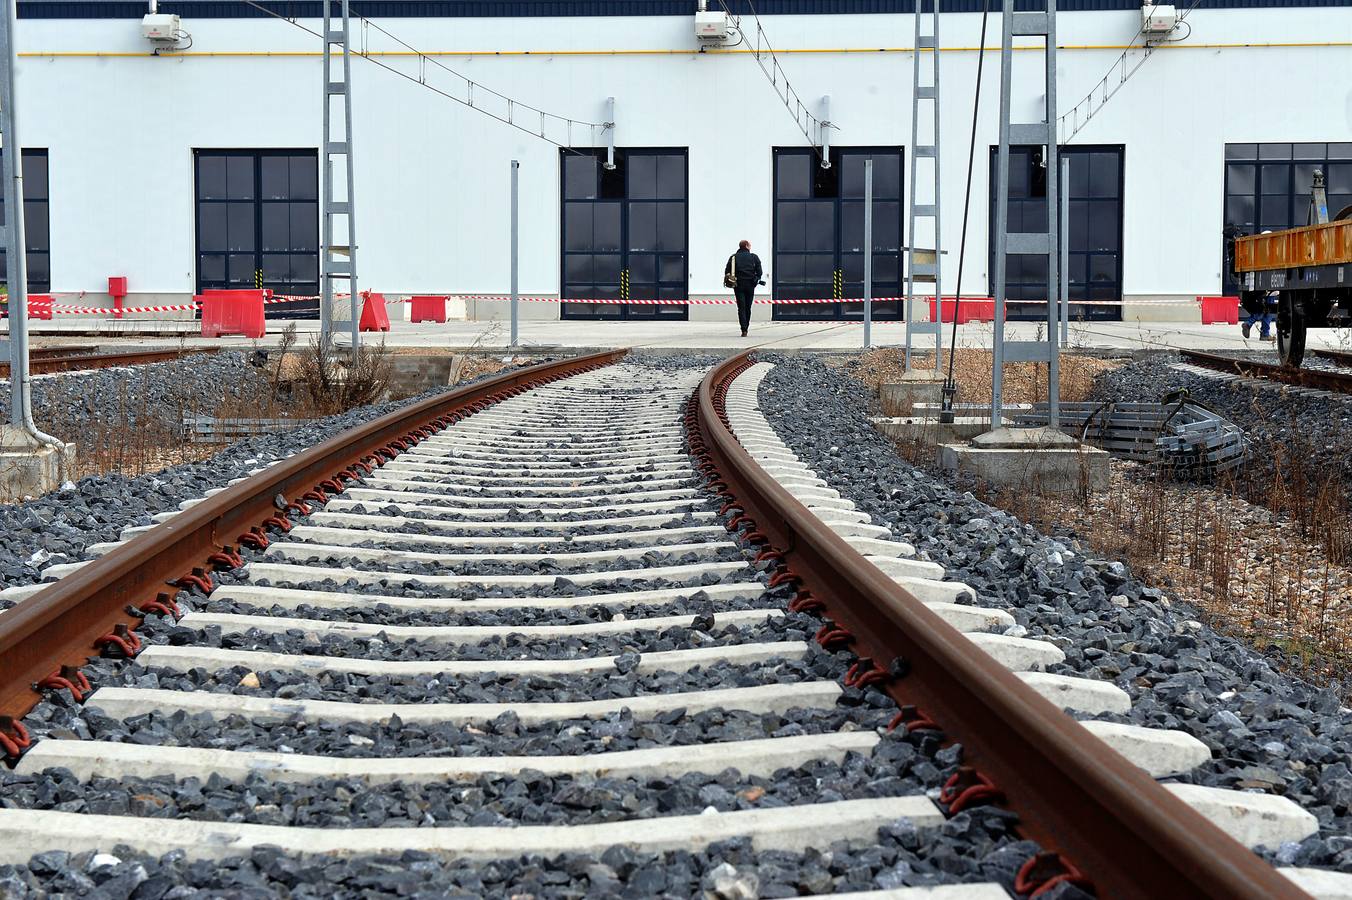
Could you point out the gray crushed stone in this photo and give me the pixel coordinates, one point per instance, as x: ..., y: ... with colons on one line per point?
x: 1267, y: 731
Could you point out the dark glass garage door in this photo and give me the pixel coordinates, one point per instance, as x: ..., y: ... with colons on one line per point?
x: 36, y: 224
x: 258, y: 224
x: 624, y: 234
x: 819, y: 232
x: 1267, y: 187
x: 1095, y: 252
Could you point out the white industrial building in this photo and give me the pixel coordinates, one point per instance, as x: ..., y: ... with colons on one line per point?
x: 189, y: 167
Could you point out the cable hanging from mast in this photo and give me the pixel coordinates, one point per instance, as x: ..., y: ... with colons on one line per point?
x: 547, y: 126
x: 807, y: 123
x: 1070, y: 123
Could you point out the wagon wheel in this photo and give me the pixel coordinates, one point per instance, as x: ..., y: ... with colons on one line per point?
x: 1290, y: 330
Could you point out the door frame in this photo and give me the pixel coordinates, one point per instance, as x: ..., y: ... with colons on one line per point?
x: 626, y: 311
x: 301, y: 309
x: 791, y: 312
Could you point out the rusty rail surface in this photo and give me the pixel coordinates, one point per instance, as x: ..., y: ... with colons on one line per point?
x: 1323, y: 379
x: 51, y: 360
x: 1109, y: 823
x: 1341, y: 357
x: 62, y: 626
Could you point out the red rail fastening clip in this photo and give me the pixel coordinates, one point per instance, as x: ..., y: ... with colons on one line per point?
x: 122, y: 638
x: 299, y: 507
x: 316, y: 494
x: 770, y: 554
x: 913, y: 719
x: 226, y: 558
x: 69, y: 678
x: 728, y: 507
x: 787, y: 576
x: 803, y: 601
x: 198, y: 578
x: 162, y: 604
x: 254, y: 538
x: 13, y: 736
x: 832, y: 636
x: 739, y: 519
x: 1045, y: 871
x: 863, y: 673
x: 280, y: 522
x: 967, y: 787
x: 331, y: 485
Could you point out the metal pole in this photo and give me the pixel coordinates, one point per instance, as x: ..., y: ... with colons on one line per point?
x: 1065, y: 251
x: 20, y: 382
x: 1054, y: 203
x: 1001, y: 223
x: 610, y: 134
x: 868, y: 253
x: 516, y: 167
x: 326, y: 251
x: 351, y: 179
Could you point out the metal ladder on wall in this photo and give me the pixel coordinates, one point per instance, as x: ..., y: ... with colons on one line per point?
x: 919, y: 267
x: 338, y: 261
x: 1041, y: 23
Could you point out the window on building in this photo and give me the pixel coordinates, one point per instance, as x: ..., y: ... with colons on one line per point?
x: 819, y: 232
x: 624, y: 234
x: 1267, y: 186
x: 36, y: 224
x: 258, y: 224
x: 1095, y: 231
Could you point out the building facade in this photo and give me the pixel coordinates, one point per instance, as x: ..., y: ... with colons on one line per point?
x: 198, y: 167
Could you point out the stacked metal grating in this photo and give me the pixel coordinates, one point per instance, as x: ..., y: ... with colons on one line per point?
x: 1179, y: 434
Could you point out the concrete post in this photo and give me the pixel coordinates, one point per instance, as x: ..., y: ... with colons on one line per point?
x: 868, y: 252
x: 516, y: 167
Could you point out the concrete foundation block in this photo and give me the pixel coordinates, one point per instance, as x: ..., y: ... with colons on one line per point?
x: 917, y: 429
x: 29, y: 468
x: 1038, y: 458
x: 900, y: 397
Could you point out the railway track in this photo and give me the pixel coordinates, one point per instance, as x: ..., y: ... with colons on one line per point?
x: 1340, y: 357
x: 576, y: 607
x: 1316, y: 379
x: 52, y: 360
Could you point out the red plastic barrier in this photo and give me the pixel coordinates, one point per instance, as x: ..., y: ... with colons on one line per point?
x: 427, y: 308
x: 374, y: 316
x: 1219, y: 310
x: 976, y: 310
x: 948, y: 309
x: 232, y: 312
x: 117, y: 289
x: 40, y: 306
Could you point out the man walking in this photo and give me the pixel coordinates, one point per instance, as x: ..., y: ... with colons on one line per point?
x: 742, y: 274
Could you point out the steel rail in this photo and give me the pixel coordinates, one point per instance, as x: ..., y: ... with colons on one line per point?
x: 1323, y: 379
x: 61, y: 625
x: 1341, y: 357
x: 1103, y: 816
x: 49, y: 363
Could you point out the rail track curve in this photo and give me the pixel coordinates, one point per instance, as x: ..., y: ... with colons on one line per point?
x: 544, y: 492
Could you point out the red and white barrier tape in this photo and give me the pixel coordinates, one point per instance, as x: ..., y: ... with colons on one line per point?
x: 690, y: 301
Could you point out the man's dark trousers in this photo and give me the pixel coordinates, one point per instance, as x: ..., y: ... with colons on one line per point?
x: 744, y: 290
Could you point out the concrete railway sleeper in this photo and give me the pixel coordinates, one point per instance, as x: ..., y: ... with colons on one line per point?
x: 575, y: 613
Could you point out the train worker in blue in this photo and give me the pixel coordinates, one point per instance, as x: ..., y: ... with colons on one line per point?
x: 1264, y: 316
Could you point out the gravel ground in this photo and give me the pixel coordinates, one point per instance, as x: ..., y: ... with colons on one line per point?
x: 58, y: 527
x: 161, y: 392
x: 1267, y: 730
x: 727, y: 870
x: 975, y: 846
x: 1281, y: 424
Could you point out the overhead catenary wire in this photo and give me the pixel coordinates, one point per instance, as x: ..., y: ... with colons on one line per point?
x: 950, y: 387
x: 1105, y: 89
x: 811, y: 126
x: 514, y: 113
